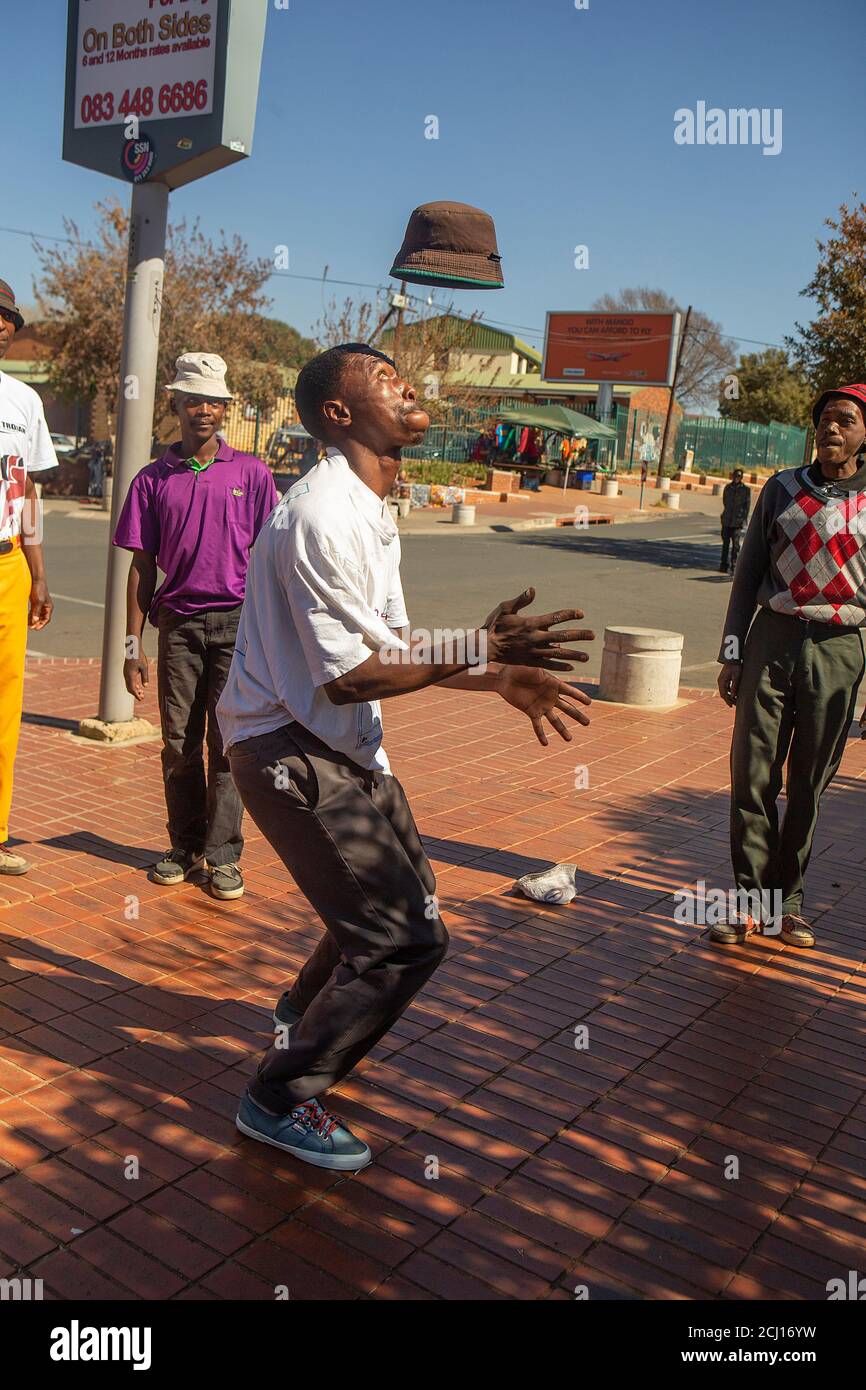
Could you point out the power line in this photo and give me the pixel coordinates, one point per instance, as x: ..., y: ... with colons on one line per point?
x: 383, y: 289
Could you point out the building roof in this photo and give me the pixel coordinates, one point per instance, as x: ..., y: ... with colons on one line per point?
x: 474, y: 335
x: 496, y: 378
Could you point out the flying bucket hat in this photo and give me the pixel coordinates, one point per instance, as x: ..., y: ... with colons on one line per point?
x: 452, y: 245
x: 857, y: 393
x: 200, y: 374
x: 7, y: 301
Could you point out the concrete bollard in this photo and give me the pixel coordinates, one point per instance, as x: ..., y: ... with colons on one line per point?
x: 718, y: 489
x: 462, y: 514
x: 640, y: 666
x: 404, y: 506
x: 672, y: 501
x: 663, y: 484
x: 610, y: 488
x: 107, y: 489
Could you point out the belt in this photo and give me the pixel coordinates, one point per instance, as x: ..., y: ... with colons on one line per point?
x: 6, y: 547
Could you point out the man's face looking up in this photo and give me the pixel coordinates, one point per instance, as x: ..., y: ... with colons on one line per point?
x: 376, y: 407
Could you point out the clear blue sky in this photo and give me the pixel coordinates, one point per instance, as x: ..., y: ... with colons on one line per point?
x: 557, y: 121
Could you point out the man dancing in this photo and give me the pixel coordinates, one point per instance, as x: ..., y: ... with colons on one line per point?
x: 300, y: 714
x: 794, y: 679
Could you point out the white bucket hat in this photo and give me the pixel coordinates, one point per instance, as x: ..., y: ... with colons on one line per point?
x: 200, y: 374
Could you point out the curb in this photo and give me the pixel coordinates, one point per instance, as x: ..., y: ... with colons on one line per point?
x: 546, y: 523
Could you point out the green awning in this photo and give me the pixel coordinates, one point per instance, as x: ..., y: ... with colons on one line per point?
x: 560, y: 420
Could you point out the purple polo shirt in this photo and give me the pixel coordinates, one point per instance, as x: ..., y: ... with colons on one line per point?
x: 199, y: 526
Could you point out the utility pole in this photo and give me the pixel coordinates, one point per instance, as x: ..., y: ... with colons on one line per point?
x: 207, y: 112
x: 398, y: 327
x: 682, y: 344
x: 144, y: 279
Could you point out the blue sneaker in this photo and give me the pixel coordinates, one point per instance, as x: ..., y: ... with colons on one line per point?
x: 309, y: 1131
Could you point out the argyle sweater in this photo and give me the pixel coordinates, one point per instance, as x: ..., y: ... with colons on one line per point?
x: 804, y: 554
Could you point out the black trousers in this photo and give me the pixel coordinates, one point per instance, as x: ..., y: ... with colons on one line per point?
x: 349, y: 840
x: 731, y: 538
x: 194, y: 656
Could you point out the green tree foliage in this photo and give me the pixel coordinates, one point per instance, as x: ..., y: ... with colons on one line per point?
x: 830, y: 348
x: 766, y: 387
x: 281, y: 343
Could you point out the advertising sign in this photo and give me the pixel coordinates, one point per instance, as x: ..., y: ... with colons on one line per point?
x: 161, y: 89
x: 133, y: 58
x: 616, y: 347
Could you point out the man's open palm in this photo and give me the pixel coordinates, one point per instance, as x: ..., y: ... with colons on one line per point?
x: 540, y: 695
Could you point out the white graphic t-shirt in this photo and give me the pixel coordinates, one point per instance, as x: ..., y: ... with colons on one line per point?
x: 25, y: 447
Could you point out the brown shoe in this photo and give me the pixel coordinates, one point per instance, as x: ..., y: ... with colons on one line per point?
x: 12, y: 863
x: 796, y: 931
x: 735, y: 933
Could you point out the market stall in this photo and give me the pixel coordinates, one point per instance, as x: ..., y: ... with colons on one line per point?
x: 559, y: 420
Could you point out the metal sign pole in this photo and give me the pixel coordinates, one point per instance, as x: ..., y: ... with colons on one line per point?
x: 673, y: 392
x: 144, y: 279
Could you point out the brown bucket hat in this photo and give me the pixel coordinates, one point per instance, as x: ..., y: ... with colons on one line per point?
x: 7, y: 302
x: 450, y: 244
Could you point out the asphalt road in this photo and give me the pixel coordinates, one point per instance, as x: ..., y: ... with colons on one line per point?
x: 653, y: 574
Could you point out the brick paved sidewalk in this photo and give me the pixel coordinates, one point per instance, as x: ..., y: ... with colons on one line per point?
x: 127, y: 1036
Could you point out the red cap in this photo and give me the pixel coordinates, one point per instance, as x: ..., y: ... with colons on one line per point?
x: 857, y: 393
x: 7, y: 302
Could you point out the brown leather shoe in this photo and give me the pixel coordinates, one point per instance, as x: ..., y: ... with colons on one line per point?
x: 12, y: 863
x: 735, y: 933
x: 796, y: 931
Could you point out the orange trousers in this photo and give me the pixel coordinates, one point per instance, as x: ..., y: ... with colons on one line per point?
x: 14, y: 595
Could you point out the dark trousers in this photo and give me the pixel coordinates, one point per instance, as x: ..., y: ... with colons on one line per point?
x: 194, y: 655
x: 731, y: 537
x: 349, y: 840
x: 796, y: 701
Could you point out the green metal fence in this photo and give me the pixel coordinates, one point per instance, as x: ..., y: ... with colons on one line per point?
x: 715, y: 445
x: 453, y: 440
x: 718, y: 446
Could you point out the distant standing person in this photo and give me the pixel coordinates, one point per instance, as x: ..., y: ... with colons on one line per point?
x: 25, y: 448
x: 194, y: 512
x: 736, y: 500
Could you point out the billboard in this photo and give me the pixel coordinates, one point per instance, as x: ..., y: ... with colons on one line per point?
x: 623, y: 347
x: 161, y: 89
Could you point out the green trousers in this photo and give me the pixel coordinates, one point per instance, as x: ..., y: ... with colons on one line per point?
x: 795, y: 701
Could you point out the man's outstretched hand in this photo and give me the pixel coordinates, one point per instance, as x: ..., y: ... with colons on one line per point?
x: 542, y: 696
x: 520, y: 641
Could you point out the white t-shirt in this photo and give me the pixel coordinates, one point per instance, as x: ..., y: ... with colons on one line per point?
x: 323, y: 594
x: 25, y: 447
